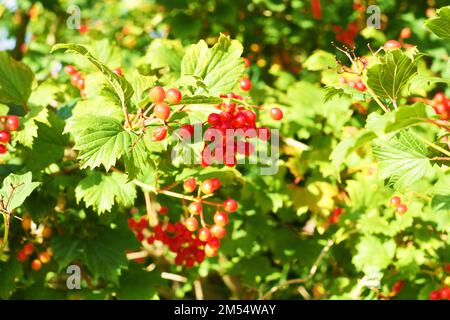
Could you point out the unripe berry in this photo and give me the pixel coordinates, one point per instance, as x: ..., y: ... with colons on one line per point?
x: 218, y: 231
x: 245, y: 84
x: 4, y: 136
x: 195, y: 208
x: 210, y: 251
x: 392, y: 44
x: 157, y: 94
x: 12, y: 123
x: 207, y: 187
x: 26, y: 223
x: 395, y: 201
x: 173, y: 96
x: 221, y: 218
x: 159, y: 133
x: 189, y: 185
x: 405, y: 33
x: 36, y: 265
x: 230, y: 205
x: 162, y: 111
x: 191, y: 224
x: 47, y: 232
x: 204, y: 234
x: 118, y: 71
x: 246, y: 62
x: 276, y: 114
x: 401, y: 209
x: 44, y: 257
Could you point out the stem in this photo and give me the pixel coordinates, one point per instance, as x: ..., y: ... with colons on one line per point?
x: 432, y: 145
x: 374, y: 96
x: 152, y: 216
x: 440, y: 159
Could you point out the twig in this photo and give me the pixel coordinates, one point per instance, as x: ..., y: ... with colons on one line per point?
x: 311, y: 274
x: 198, y: 289
x: 151, y: 212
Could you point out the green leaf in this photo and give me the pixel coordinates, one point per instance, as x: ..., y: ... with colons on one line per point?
x: 403, y: 159
x: 441, y: 197
x: 119, y: 84
x: 101, y: 191
x: 141, y: 85
x: 10, y: 272
x: 392, y: 74
x: 320, y: 60
x: 420, y: 81
x: 165, y: 53
x: 66, y: 249
x: 26, y: 135
x: 219, y: 67
x: 440, y: 25
x: 373, y: 253
x: 200, y: 99
x: 138, y: 284
x: 22, y: 186
x: 16, y: 79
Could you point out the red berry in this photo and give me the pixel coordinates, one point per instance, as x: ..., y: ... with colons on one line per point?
x: 214, y: 119
x: 12, y: 123
x: 173, y: 96
x: 118, y: 71
x: 405, y: 33
x: 159, y: 133
x: 218, y: 231
x: 250, y: 116
x: 163, y: 210
x: 195, y: 208
x: 214, y: 243
x: 162, y: 111
x: 83, y: 28
x: 276, y: 114
x: 439, y: 97
x: 70, y: 70
x: 190, y: 262
x: 221, y: 218
x: 74, y: 79
x: 245, y: 84
x: 230, y: 205
x: 80, y: 84
x: 189, y: 185
x: 191, y: 224
x: 4, y: 136
x: 36, y: 265
x: 435, y: 295
x: 157, y: 94
x: 215, y: 183
x: 44, y: 257
x: 392, y: 44
x: 210, y: 251
x: 204, y: 234
x: 395, y: 201
x: 199, y: 256
x: 401, y: 208
x: 179, y: 260
x: 186, y: 131
x: 445, y: 293
x: 360, y: 86
x: 246, y: 62
x: 263, y: 133
x: 207, y: 187
x: 28, y: 248
x: 21, y: 256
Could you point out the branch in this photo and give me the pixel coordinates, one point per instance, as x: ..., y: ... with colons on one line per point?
x: 311, y: 274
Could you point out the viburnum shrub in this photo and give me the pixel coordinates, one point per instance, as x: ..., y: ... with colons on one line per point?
x: 139, y: 162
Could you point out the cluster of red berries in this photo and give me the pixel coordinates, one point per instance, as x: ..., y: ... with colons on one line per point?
x: 347, y: 36
x: 405, y: 33
x: 396, y: 202
x: 41, y: 258
x: 76, y: 78
x: 441, y: 105
x: 161, y: 110
x: 8, y: 124
x: 358, y: 84
x: 222, y: 127
x: 440, y: 294
x: 334, y: 218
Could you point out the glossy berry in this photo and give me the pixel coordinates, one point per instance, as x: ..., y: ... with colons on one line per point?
x: 80, y: 84
x: 214, y: 119
x: 214, y: 243
x: 245, y: 84
x: 392, y: 44
x: 3, y: 149
x: 159, y: 133
x: 21, y: 256
x: 276, y: 114
x: 12, y: 123
x: 207, y: 187
x: 44, y: 257
x: 405, y: 33
x: 360, y: 86
x: 4, y: 136
x: 445, y: 293
x: 186, y: 131
x: 230, y: 205
x: 218, y: 231
x: 70, y: 70
x: 210, y: 251
x: 204, y: 234
x: 74, y: 79
x: 435, y: 295
x: 215, y: 183
x: 401, y: 209
x: 157, y: 94
x: 395, y: 201
x: 173, y: 96
x: 250, y: 116
x: 118, y: 71
x: 220, y: 218
x: 162, y: 111
x: 36, y: 265
x: 189, y: 185
x: 28, y: 248
x: 191, y: 224
x: 195, y: 208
